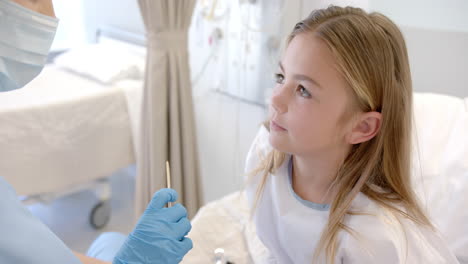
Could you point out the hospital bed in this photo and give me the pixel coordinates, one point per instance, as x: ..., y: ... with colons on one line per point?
x: 440, y: 174
x: 74, y: 125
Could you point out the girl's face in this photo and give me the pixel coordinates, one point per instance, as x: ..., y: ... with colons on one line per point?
x: 309, y: 103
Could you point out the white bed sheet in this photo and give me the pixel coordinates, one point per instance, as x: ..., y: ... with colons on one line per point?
x: 226, y: 224
x: 62, y: 130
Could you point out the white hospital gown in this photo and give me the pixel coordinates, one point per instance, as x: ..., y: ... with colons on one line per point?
x: 291, y: 227
x: 23, y: 238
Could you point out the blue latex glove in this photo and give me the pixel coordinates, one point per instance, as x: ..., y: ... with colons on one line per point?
x: 159, y: 236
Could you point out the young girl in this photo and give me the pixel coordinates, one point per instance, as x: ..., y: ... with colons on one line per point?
x: 330, y: 171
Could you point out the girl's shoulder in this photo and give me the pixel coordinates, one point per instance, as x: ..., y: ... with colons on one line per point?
x: 379, y: 235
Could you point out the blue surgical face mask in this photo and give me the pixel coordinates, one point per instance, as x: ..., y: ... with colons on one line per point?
x: 25, y: 41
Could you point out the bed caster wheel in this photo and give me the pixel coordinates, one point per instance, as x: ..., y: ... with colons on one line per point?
x: 100, y: 215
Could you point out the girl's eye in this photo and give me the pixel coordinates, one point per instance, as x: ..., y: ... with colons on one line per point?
x: 279, y: 78
x: 303, y: 92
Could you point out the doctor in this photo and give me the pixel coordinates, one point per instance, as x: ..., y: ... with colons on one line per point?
x: 27, y: 29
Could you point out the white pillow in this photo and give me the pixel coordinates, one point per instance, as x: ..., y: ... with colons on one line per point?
x: 105, y: 63
x: 440, y: 168
x: 435, y: 116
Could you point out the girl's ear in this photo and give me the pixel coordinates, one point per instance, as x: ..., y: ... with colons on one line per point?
x: 366, y: 126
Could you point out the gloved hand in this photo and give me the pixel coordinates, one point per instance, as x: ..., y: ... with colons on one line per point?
x: 159, y: 236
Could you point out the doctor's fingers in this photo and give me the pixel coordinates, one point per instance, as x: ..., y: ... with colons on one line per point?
x: 181, y: 228
x: 161, y: 198
x: 185, y: 245
x: 175, y: 213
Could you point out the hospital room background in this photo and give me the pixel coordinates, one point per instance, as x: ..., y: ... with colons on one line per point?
x: 78, y: 172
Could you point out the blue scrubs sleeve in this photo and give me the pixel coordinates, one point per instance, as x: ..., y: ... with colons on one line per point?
x: 25, y: 239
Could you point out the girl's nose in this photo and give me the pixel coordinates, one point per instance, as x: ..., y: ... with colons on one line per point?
x: 278, y: 100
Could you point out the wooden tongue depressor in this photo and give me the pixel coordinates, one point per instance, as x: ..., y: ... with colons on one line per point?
x: 168, y: 179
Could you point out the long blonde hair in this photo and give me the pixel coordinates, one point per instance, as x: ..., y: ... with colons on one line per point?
x: 371, y: 54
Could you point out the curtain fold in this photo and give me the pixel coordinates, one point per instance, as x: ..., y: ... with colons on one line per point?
x: 167, y: 127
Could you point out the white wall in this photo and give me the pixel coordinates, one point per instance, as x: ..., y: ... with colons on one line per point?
x: 225, y: 126
x: 309, y: 5
x: 121, y: 14
x: 446, y: 15
x: 438, y: 60
x: 80, y: 19
x: 71, y: 30
x: 436, y: 34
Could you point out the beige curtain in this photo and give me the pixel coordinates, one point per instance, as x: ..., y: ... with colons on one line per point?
x: 167, y: 125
